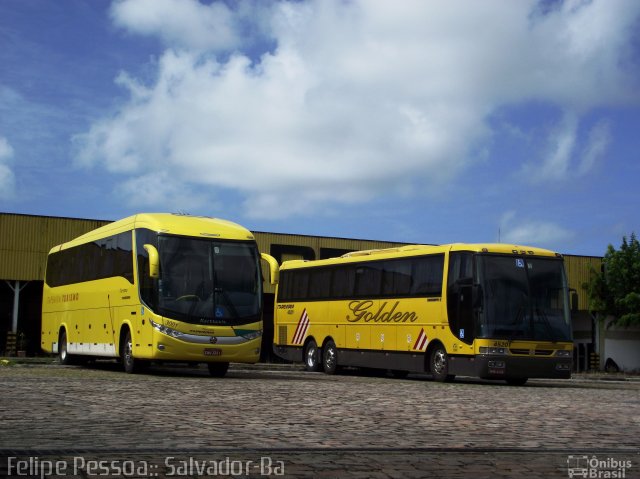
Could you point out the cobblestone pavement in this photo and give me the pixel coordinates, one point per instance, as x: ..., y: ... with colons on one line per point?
x: 71, y: 421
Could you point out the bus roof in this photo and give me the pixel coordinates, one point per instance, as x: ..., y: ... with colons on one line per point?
x: 414, y: 250
x: 170, y: 223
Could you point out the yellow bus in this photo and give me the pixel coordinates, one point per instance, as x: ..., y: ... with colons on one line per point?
x: 156, y: 287
x: 492, y: 311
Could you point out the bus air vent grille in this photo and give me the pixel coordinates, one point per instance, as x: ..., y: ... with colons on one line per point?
x: 282, y: 334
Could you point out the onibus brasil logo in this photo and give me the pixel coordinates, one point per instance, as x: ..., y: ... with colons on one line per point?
x: 594, y: 467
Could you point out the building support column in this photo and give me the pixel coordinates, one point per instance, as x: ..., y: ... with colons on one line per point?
x: 16, y: 303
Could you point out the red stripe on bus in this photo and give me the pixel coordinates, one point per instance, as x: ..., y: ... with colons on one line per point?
x: 301, y: 329
x: 421, y: 341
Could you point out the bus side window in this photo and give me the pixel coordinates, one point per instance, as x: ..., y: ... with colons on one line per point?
x: 344, y: 280
x: 319, y: 283
x: 459, y: 296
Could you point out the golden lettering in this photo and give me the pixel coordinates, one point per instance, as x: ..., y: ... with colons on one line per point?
x: 362, y: 311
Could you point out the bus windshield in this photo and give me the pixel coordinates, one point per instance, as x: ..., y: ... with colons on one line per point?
x: 208, y: 281
x: 523, y: 298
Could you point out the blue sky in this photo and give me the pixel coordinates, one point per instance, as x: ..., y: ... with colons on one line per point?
x: 413, y: 121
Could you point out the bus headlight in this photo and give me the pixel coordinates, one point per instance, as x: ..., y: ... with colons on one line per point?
x: 491, y: 350
x: 562, y: 353
x: 249, y: 335
x: 165, y: 330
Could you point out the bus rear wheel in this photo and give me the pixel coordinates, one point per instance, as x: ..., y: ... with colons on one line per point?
x: 439, y: 365
x: 218, y: 370
x: 63, y: 355
x: 330, y: 357
x: 311, y: 357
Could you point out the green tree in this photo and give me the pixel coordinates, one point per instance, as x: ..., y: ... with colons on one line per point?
x: 616, y: 290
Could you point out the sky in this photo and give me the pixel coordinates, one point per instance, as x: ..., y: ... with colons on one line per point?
x: 413, y: 121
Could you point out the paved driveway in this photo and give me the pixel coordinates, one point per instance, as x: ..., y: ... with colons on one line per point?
x: 270, y: 421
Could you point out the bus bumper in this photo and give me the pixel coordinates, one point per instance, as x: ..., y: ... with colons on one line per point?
x: 172, y: 349
x: 507, y: 367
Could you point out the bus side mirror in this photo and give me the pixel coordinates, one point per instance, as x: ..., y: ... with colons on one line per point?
x: 274, y: 269
x: 154, y: 261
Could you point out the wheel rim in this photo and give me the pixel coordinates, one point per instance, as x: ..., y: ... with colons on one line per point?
x: 330, y: 358
x: 128, y: 351
x: 439, y: 362
x: 63, y: 349
x: 312, y: 356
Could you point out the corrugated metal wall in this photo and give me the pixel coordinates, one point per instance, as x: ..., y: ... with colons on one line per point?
x: 25, y: 241
x: 578, y: 273
x: 267, y: 240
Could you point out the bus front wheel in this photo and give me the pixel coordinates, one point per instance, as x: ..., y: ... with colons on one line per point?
x: 218, y: 370
x: 129, y: 363
x: 399, y: 373
x: 330, y: 357
x: 439, y: 364
x: 311, y: 357
x: 517, y: 381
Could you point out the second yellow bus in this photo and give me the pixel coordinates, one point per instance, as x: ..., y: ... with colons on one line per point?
x: 492, y: 311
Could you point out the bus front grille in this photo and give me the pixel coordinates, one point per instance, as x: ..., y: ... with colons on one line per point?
x: 519, y: 351
x: 531, y: 352
x: 544, y: 352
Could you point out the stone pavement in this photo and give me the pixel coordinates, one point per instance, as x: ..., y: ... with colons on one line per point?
x: 264, y: 421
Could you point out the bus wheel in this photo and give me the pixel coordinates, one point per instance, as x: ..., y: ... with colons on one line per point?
x: 63, y: 355
x: 311, y: 357
x: 128, y: 361
x: 517, y: 381
x: 218, y: 370
x: 330, y: 357
x: 439, y: 363
x: 399, y: 373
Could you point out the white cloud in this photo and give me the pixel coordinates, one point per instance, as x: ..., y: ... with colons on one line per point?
x: 6, y: 150
x: 561, y: 144
x: 359, y: 99
x: 159, y: 188
x: 598, y: 141
x: 525, y: 231
x: 561, y: 161
x: 183, y: 23
x: 7, y: 178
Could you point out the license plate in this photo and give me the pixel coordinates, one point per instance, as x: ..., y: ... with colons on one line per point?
x: 213, y: 352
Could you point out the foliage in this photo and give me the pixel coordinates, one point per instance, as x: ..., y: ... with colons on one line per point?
x: 616, y: 290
